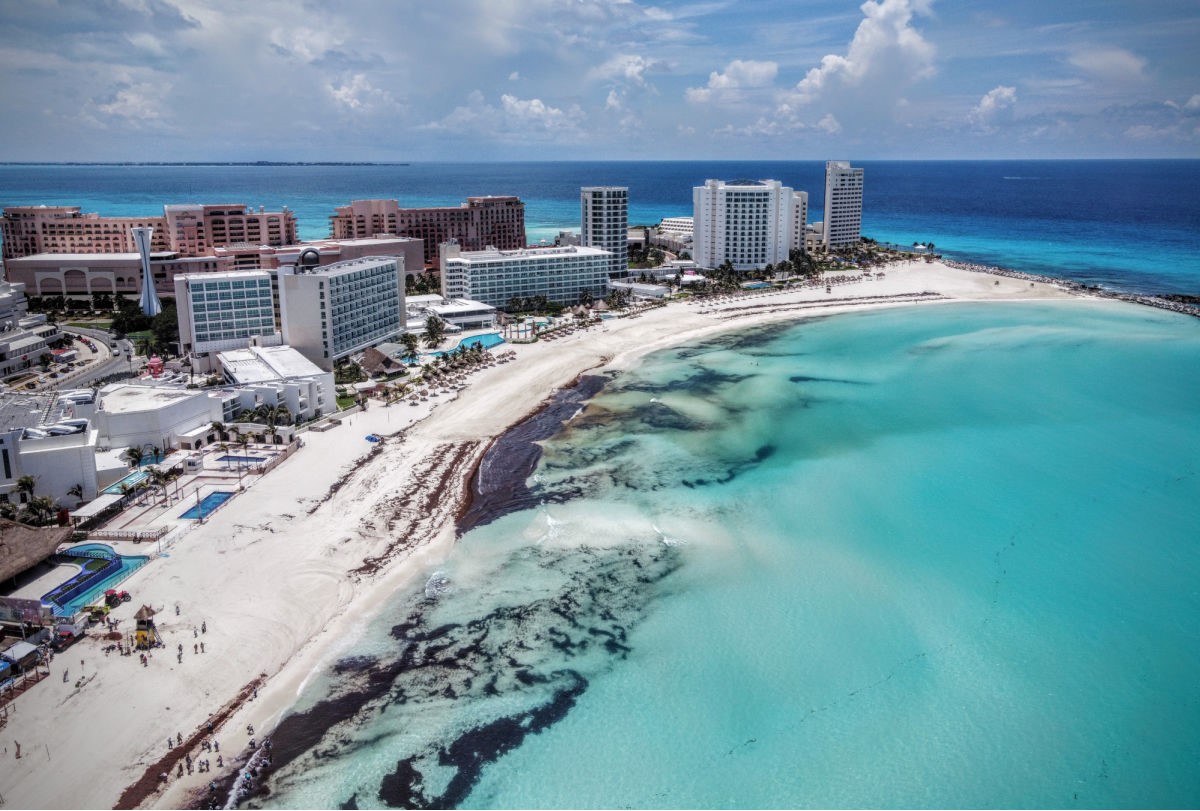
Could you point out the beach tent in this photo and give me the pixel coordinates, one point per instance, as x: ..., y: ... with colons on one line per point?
x: 21, y: 654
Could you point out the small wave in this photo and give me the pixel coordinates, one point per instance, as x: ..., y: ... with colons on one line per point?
x: 437, y: 585
x: 666, y: 539
x: 655, y: 400
x: 1020, y: 177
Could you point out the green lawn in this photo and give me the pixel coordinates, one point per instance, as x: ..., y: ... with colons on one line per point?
x: 345, y: 402
x: 104, y: 325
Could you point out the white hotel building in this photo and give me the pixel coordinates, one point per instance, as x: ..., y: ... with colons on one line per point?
x: 604, y: 224
x: 223, y: 311
x: 748, y: 223
x: 331, y: 312
x: 843, y: 204
x: 495, y: 277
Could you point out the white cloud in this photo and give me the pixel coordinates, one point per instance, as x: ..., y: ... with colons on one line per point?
x: 1109, y: 64
x: 631, y: 68
x: 993, y: 104
x: 829, y: 124
x: 536, y: 113
x: 515, y: 119
x: 359, y: 95
x: 514, y: 76
x: 1192, y: 105
x: 886, y: 53
x: 739, y: 74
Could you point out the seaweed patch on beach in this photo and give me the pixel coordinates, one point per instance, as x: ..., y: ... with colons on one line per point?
x: 498, y: 486
x: 476, y: 673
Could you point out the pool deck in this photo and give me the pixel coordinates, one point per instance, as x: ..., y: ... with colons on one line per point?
x: 47, y: 581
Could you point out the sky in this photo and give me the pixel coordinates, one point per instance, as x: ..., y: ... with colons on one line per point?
x: 467, y: 80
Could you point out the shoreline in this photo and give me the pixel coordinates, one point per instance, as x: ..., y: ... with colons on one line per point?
x: 359, y: 526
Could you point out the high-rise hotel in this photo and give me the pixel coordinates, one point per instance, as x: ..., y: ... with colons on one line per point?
x: 604, y: 224
x: 843, y: 204
x: 748, y: 223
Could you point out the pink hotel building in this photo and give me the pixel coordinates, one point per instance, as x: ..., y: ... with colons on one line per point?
x: 59, y: 250
x: 478, y: 223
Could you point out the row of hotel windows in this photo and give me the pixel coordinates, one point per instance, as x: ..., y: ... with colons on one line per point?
x: 202, y: 316
x: 225, y: 335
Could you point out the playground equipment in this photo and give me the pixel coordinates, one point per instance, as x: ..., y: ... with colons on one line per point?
x: 146, y: 636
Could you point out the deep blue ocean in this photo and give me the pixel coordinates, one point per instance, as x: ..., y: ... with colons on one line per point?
x: 1125, y: 224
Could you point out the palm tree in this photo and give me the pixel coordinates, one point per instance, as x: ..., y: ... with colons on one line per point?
x: 76, y: 491
x: 25, y: 486
x: 133, y: 455
x: 219, y: 428
x: 435, y: 331
x: 39, y: 511
x: 411, y: 344
x: 275, y: 416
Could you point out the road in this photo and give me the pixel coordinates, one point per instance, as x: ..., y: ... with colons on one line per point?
x: 113, y: 356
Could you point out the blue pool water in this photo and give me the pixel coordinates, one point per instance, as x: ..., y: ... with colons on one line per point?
x: 486, y: 341
x: 128, y: 565
x: 228, y: 458
x: 208, y: 505
x: 133, y: 478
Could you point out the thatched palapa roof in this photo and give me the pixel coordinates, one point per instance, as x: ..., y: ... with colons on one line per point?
x: 22, y: 547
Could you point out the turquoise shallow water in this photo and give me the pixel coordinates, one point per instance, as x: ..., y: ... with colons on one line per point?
x: 940, y: 556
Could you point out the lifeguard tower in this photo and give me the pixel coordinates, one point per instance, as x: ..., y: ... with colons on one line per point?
x: 146, y: 636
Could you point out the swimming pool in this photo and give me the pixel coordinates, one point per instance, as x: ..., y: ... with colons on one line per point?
x: 85, y: 588
x: 136, y: 477
x: 487, y: 341
x: 207, y: 505
x: 89, y: 550
x: 247, y: 459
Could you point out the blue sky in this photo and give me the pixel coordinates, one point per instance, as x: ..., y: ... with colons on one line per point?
x: 597, y: 79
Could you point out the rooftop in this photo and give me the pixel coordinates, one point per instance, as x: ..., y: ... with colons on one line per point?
x: 124, y: 398
x: 262, y: 364
x: 92, y: 258
x: 547, y: 252
x: 20, y: 411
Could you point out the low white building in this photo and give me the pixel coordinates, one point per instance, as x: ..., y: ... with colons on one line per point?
x: 280, y: 376
x: 461, y: 314
x: 495, y: 277
x: 58, y: 456
x: 132, y: 415
x: 24, y: 338
x: 642, y: 290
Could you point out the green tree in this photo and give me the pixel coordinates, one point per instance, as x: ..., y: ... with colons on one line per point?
x: 25, y: 486
x: 435, y: 331
x: 133, y: 455
x: 165, y: 327
x: 411, y: 344
x: 39, y: 511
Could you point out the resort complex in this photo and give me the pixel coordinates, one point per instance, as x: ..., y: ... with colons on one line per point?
x: 208, y: 504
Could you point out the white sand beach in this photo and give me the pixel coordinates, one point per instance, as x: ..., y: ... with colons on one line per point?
x: 288, y: 569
